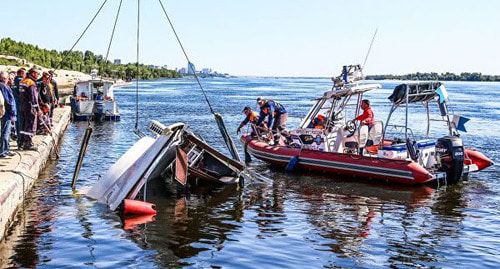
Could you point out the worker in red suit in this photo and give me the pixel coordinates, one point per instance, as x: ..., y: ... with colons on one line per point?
x: 367, y: 118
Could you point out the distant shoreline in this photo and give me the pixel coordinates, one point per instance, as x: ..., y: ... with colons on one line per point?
x: 393, y: 78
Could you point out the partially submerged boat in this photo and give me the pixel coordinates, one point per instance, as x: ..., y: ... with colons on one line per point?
x: 94, y: 100
x: 175, y: 155
x: 397, y: 154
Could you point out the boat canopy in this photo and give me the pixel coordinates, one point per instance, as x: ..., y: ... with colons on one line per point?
x: 348, y: 90
x: 414, y: 92
x: 91, y: 88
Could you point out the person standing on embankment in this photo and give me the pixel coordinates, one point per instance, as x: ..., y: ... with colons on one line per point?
x: 28, y: 93
x: 8, y: 117
x: 21, y: 74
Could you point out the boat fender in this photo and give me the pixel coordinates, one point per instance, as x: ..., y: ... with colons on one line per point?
x: 136, y: 207
x: 292, y: 163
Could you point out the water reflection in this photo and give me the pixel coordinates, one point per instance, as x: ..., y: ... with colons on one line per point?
x: 26, y: 235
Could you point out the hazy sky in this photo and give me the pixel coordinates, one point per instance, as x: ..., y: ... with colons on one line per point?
x: 275, y: 37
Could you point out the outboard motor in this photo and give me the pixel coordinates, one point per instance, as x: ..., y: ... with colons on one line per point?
x: 450, y: 154
x: 99, y: 111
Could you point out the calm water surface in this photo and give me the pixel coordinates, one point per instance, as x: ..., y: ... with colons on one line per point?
x: 277, y: 220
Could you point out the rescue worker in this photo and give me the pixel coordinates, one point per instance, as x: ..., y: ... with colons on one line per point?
x: 8, y: 117
x: 252, y: 117
x: 30, y: 110
x: 21, y: 74
x: 367, y: 118
x: 318, y: 122
x: 276, y: 116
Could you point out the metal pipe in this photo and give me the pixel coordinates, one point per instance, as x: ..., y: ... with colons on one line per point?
x: 406, y: 112
x: 81, y: 155
x: 426, y: 104
x: 393, y: 108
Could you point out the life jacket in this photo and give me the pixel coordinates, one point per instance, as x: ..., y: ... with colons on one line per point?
x: 253, y: 117
x: 319, y: 126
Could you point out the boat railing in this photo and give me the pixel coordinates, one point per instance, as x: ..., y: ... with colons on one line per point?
x: 401, y: 129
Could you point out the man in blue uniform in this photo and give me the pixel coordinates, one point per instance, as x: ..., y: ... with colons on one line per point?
x: 8, y: 117
x: 276, y: 116
x: 28, y: 98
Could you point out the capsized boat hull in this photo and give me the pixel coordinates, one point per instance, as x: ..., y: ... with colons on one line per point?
x: 375, y: 169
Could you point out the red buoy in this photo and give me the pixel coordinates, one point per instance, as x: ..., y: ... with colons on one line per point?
x: 135, y: 207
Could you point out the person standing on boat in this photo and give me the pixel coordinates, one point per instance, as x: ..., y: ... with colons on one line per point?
x: 252, y: 117
x: 28, y: 93
x: 8, y: 117
x: 276, y: 116
x: 367, y: 118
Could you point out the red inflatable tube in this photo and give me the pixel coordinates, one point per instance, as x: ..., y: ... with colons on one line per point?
x: 135, y: 207
x: 475, y: 157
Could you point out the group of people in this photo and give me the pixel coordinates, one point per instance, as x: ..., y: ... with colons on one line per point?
x: 273, y: 117
x: 27, y: 102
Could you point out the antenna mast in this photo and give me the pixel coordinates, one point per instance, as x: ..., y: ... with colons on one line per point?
x: 369, y: 49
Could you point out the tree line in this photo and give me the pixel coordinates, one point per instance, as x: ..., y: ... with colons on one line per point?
x: 81, y: 61
x: 465, y: 76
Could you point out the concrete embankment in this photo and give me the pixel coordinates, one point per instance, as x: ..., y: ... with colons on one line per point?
x: 18, y: 173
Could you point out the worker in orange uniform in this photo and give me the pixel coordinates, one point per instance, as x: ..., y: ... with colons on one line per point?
x: 318, y: 123
x: 251, y: 117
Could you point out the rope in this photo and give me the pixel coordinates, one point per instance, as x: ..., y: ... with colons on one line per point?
x: 81, y: 35
x: 113, y: 32
x: 137, y: 65
x: 187, y: 58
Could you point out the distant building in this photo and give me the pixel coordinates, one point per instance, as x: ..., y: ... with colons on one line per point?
x: 117, y: 61
x: 182, y: 71
x: 164, y: 67
x: 191, y: 69
x: 206, y: 71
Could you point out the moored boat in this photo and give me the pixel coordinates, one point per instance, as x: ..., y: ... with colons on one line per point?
x: 385, y: 152
x: 94, y: 100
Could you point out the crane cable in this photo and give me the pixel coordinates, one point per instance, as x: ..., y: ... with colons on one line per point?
x: 218, y: 118
x: 81, y: 35
x: 137, y: 71
x: 187, y: 57
x: 113, y: 32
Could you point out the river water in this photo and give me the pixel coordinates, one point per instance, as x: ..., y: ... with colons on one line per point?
x: 276, y: 221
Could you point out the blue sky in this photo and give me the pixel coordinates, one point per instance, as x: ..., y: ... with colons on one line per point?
x: 276, y: 37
